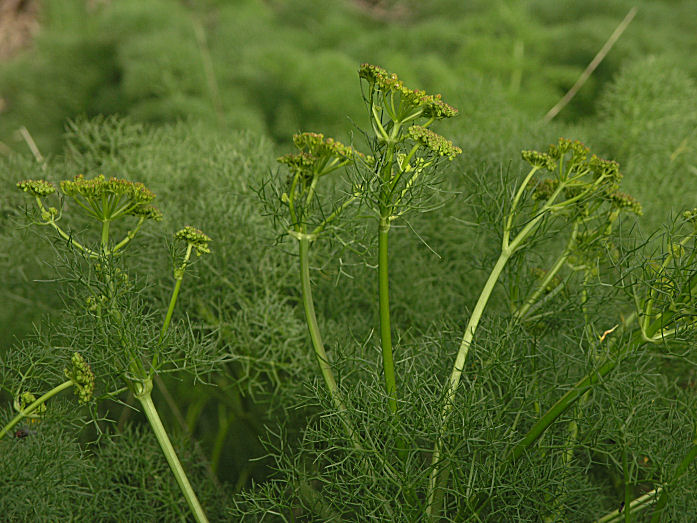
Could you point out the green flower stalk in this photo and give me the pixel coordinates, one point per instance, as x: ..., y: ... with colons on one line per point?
x: 575, y: 185
x: 317, y: 157
x: 106, y: 200
x: 196, y: 240
x: 391, y: 106
x: 79, y: 376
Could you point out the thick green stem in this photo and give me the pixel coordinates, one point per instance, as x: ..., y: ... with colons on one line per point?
x: 105, y: 236
x: 33, y: 406
x: 145, y: 398
x: 316, y: 338
x: 384, y: 306
x: 433, y: 502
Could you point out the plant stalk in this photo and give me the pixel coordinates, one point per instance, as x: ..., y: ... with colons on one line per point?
x: 384, y: 307
x: 316, y: 338
x: 434, y: 499
x: 150, y: 411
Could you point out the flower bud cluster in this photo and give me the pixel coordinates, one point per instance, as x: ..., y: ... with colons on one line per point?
x: 318, y: 155
x: 431, y: 105
x: 36, y: 187
x: 435, y: 142
x: 194, y: 237
x: 624, y: 201
x: 82, y: 377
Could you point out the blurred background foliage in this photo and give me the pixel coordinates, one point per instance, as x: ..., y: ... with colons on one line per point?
x: 196, y: 98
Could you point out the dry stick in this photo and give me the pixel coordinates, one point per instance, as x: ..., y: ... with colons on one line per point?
x: 33, y: 147
x: 592, y: 66
x: 202, y: 42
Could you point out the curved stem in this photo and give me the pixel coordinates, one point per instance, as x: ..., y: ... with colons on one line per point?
x: 316, y: 338
x: 153, y: 417
x: 432, y: 508
x: 32, y: 406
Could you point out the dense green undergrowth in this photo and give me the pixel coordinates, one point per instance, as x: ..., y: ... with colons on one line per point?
x: 259, y: 433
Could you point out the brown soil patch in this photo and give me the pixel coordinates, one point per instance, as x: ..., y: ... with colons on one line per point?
x: 18, y: 25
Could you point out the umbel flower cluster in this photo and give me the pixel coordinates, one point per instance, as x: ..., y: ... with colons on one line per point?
x: 195, y: 238
x: 100, y: 198
x: 428, y: 105
x: 577, y: 176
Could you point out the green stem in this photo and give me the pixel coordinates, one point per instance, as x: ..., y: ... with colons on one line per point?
x: 179, y: 277
x: 129, y: 236
x: 32, y: 406
x: 437, y: 477
x: 679, y: 472
x: 316, y: 338
x: 105, y: 236
x: 639, y: 503
x: 384, y: 306
x: 51, y: 221
x: 627, y: 485
x: 145, y: 398
x: 522, y: 311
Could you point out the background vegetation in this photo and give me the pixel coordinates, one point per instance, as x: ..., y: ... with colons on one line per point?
x: 196, y: 100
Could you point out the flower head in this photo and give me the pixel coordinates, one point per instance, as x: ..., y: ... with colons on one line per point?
x: 435, y: 142
x: 318, y: 155
x: 36, y: 187
x: 431, y: 105
x: 194, y: 237
x: 149, y: 212
x: 539, y: 160
x: 82, y: 377
x: 100, y: 186
x: 622, y: 200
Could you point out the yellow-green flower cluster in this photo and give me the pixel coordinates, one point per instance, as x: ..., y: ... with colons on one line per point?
x: 318, y: 155
x: 539, y: 160
x: 101, y: 186
x: 435, y: 142
x: 381, y: 80
x: 298, y: 162
x: 149, y: 212
x: 114, y: 196
x: 691, y: 216
x: 622, y: 200
x: 36, y: 187
x: 194, y: 237
x: 82, y: 377
x: 579, y: 163
x: 318, y: 146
